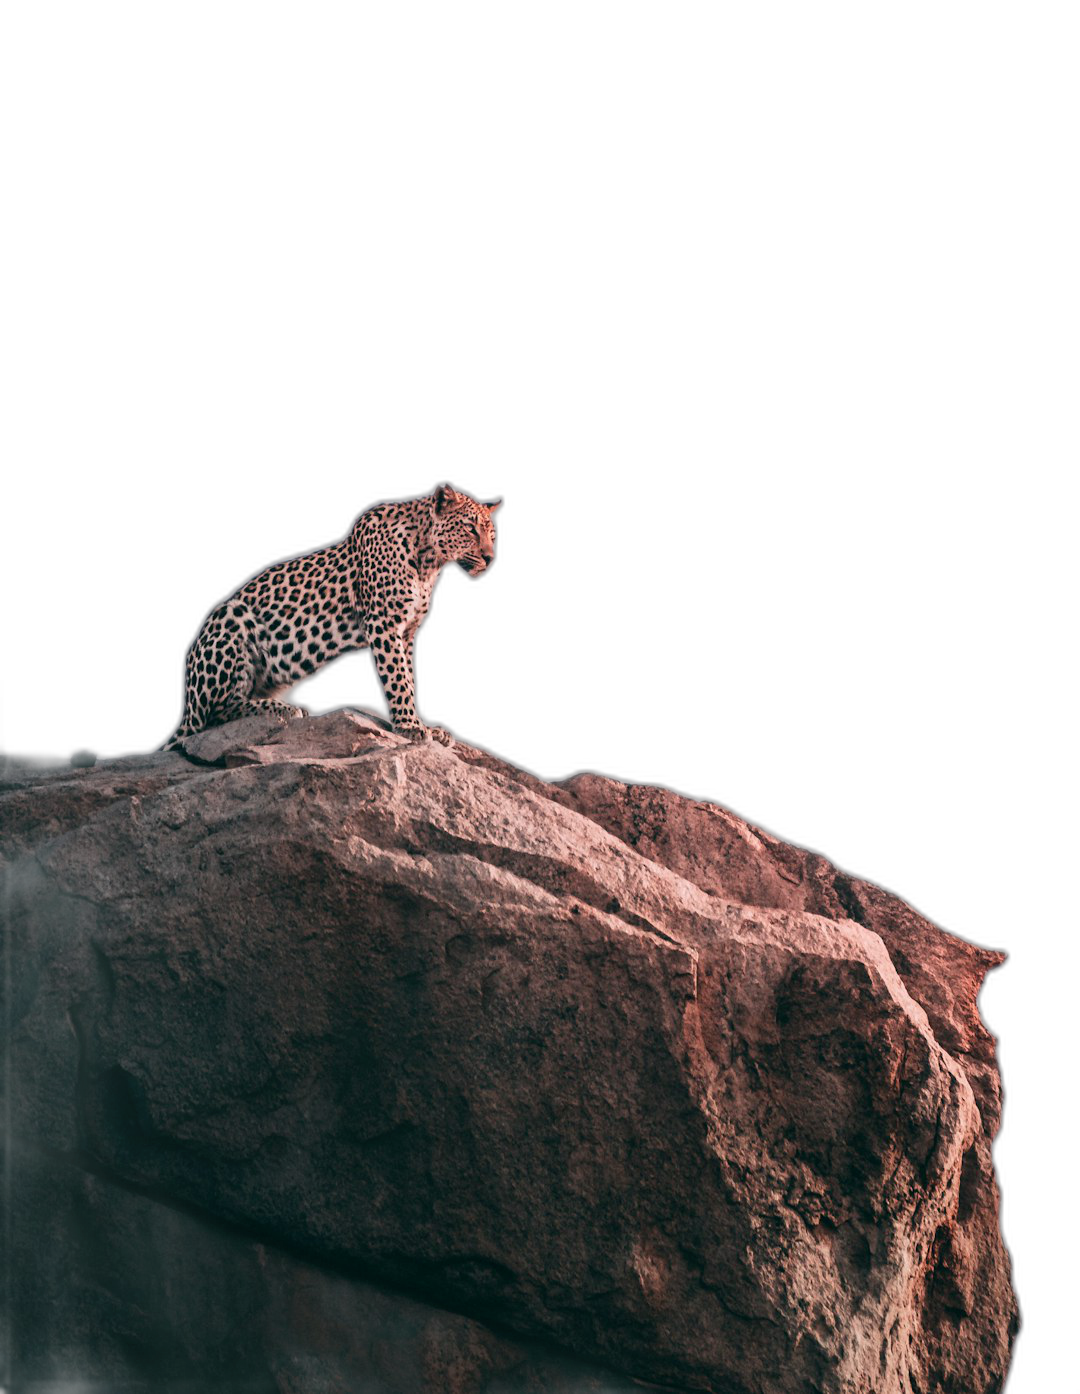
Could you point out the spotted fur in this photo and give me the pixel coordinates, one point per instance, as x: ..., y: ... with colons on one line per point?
x: 371, y: 590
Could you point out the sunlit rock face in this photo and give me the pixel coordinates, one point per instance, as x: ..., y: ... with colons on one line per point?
x: 343, y: 1063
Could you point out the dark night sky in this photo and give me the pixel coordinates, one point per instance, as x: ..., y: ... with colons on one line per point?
x: 756, y: 541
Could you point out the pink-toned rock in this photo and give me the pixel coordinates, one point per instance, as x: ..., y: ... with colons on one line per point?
x: 593, y: 1065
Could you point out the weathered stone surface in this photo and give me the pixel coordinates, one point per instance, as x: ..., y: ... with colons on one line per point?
x: 116, y: 1292
x: 597, y: 1067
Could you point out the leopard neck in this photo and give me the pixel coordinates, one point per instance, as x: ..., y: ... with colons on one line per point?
x: 428, y: 562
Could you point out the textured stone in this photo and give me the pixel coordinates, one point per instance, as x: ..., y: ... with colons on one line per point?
x: 607, y: 1072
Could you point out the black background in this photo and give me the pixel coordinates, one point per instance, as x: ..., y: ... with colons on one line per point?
x: 767, y: 483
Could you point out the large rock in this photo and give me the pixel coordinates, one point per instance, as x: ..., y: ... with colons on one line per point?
x: 397, y: 1038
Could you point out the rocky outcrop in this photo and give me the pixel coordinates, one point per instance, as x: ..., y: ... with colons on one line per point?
x: 340, y: 1063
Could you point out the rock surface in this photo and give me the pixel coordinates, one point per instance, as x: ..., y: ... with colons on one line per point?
x: 340, y: 1063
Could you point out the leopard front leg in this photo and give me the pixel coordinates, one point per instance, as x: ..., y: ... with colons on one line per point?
x: 393, y: 651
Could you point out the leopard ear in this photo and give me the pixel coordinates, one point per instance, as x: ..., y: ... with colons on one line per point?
x: 445, y: 495
x: 491, y: 507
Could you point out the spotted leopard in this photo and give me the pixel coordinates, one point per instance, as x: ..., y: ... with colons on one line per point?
x: 370, y: 590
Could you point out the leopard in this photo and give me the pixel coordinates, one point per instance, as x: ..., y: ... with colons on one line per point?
x: 371, y: 590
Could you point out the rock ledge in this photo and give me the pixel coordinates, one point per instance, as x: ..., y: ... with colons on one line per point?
x: 341, y: 1063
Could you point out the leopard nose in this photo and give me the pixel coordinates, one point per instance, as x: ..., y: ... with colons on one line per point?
x: 489, y: 557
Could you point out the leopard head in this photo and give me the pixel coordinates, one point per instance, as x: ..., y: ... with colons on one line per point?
x: 463, y: 529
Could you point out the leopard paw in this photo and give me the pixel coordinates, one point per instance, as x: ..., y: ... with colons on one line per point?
x: 424, y: 734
